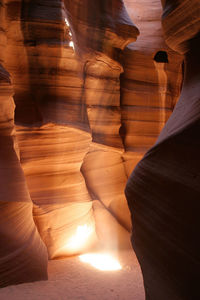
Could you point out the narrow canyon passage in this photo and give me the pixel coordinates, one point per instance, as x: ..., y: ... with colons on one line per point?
x: 99, y: 119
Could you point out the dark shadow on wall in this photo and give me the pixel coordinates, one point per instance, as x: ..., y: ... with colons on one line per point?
x: 161, y: 57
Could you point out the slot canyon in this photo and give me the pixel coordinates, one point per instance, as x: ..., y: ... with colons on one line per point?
x: 99, y: 149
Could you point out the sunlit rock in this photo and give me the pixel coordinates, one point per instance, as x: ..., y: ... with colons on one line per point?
x: 150, y: 87
x: 80, y: 125
x: 112, y: 236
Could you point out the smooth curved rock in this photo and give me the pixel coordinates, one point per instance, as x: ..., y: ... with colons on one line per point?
x: 102, y: 97
x: 177, y: 25
x: 105, y: 177
x: 79, y: 125
x: 54, y: 109
x: 104, y: 26
x: 23, y: 256
x: 99, y: 34
x: 112, y: 236
x: 149, y: 88
x: 51, y: 157
x: 52, y: 125
x: 163, y: 191
x: 45, y: 71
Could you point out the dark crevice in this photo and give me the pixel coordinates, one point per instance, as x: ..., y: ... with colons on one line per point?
x: 161, y: 57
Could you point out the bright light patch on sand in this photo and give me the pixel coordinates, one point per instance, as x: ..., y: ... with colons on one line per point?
x: 103, y: 262
x: 80, y: 238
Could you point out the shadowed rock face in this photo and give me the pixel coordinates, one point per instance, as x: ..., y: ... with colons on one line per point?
x: 23, y: 256
x: 41, y: 62
x: 163, y: 191
x: 180, y: 27
x: 105, y: 26
x: 80, y: 126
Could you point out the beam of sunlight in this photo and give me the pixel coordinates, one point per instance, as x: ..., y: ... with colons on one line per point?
x: 71, y: 44
x: 80, y: 238
x: 66, y: 22
x: 101, y: 261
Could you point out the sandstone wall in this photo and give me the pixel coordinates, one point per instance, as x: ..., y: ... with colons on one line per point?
x: 80, y: 125
x: 163, y: 190
x: 150, y: 84
x: 23, y: 256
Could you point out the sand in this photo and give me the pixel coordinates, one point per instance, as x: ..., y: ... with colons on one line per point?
x: 72, y: 279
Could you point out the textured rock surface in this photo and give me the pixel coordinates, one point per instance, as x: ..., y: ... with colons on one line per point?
x: 104, y: 27
x: 55, y: 129
x: 80, y: 126
x: 48, y: 101
x: 181, y: 23
x: 44, y: 68
x: 163, y: 191
x: 51, y: 157
x: 103, y: 166
x: 23, y: 256
x: 149, y: 88
x: 105, y: 177
x: 99, y: 35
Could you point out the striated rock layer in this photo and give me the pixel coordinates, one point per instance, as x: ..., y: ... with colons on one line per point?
x: 103, y: 167
x: 58, y: 126
x: 23, y: 256
x: 51, y: 157
x: 79, y: 124
x: 163, y: 191
x: 100, y: 26
x: 99, y: 35
x: 150, y: 84
x: 52, y: 126
x: 43, y: 66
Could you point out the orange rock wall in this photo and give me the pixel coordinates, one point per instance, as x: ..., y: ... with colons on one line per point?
x: 23, y: 256
x: 81, y: 125
x: 149, y: 89
x: 163, y: 191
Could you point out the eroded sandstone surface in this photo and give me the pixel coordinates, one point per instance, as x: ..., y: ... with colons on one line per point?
x: 163, y: 191
x: 85, y: 99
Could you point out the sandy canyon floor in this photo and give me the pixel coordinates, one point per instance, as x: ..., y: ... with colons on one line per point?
x: 73, y: 279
